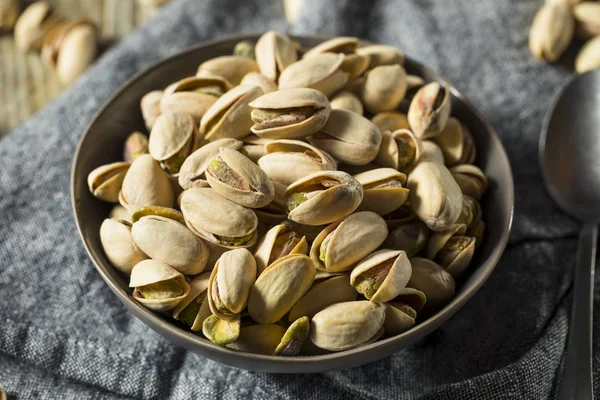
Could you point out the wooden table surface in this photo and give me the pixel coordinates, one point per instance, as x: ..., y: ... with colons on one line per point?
x: 27, y: 84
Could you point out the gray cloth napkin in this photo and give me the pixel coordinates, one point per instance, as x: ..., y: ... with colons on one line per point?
x: 64, y: 335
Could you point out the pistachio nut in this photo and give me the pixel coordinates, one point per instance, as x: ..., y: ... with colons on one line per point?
x: 274, y: 213
x: 429, y: 110
x: 381, y: 54
x: 289, y: 160
x: 399, y: 216
x: 456, y: 255
x: 279, y: 288
x: 475, y: 230
x: 399, y: 318
x: 289, y: 113
x: 164, y: 212
x: 278, y: 242
x: 439, y: 239
x: 399, y: 150
x: 354, y: 86
x: 336, y: 289
x: 384, y: 88
x: 309, y: 231
x: 9, y: 11
x: 259, y: 339
x: 391, y: 121
x: 456, y: 144
x: 118, y: 245
x: 76, y: 50
x: 433, y: 280
x: 145, y: 184
x: 258, y: 79
x: 431, y: 152
x: 467, y: 212
x: 434, y: 196
x: 172, y: 140
x: 475, y: 208
x: 321, y: 72
x: 413, y: 298
x: 254, y: 152
x: 217, y: 219
x: 229, y: 116
x: 33, y: 24
x: 551, y: 31
x: 292, y: 340
x: 194, y: 308
x: 105, y: 181
x: 193, y: 169
x: 347, y: 101
x: 157, y: 286
x: 588, y: 57
x: 382, y: 275
x: 274, y: 53
x: 245, y: 48
x: 120, y: 212
x: 323, y: 197
x: 150, y: 106
x: 354, y: 64
x: 232, y: 68
x: 342, y: 244
x: 587, y: 19
x: 220, y: 331
x: 343, y: 326
x: 382, y: 190
x: 413, y: 84
x: 349, y: 138
x: 411, y: 237
x: 136, y: 144
x: 170, y: 242
x: 235, y: 177
x: 470, y: 179
x: 193, y: 95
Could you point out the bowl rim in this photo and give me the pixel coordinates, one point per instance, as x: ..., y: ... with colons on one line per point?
x: 190, y: 340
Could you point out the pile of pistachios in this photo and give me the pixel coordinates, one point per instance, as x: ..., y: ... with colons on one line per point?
x: 558, y: 22
x: 295, y: 201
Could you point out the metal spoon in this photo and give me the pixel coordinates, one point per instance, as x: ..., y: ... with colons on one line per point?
x: 570, y: 160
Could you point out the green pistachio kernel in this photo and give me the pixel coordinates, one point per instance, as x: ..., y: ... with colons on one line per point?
x: 371, y: 280
x: 173, y: 164
x: 190, y: 312
x: 293, y: 338
x: 165, y: 212
x: 245, y: 48
x: 294, y: 200
x: 234, y: 241
x: 168, y: 289
x: 220, y: 331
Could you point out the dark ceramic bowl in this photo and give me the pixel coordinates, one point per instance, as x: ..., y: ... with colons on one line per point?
x: 103, y: 141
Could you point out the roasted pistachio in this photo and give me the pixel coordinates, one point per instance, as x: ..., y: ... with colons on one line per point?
x: 193, y: 95
x: 380, y: 54
x: 470, y: 179
x: 321, y: 72
x: 413, y: 84
x: 120, y: 212
x: 433, y: 280
x: 292, y: 340
x: 245, y: 48
x: 399, y: 150
x: 157, y: 286
x: 347, y: 101
x: 232, y: 68
x: 399, y: 318
x: 145, y: 184
x: 335, y: 289
x: 439, y: 239
x: 587, y: 18
x: 172, y: 140
x: 410, y: 237
x: 456, y: 255
x: 588, y: 57
x: 278, y: 242
x: 309, y: 231
x: 391, y: 121
x: 475, y: 230
x: 150, y: 106
x: 384, y: 88
x: 258, y: 79
x: 105, y: 181
x: 551, y: 31
x: 221, y: 331
x: 353, y: 63
x: 118, y: 245
x: 429, y: 110
x: 194, y: 308
x: 382, y: 190
x: 136, y: 145
x: 33, y: 24
x: 274, y: 53
x: 399, y: 216
x: 274, y: 213
x: 382, y: 275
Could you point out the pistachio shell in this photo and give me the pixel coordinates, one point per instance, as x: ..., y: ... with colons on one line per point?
x: 274, y: 53
x: 77, y: 51
x: 355, y: 64
x: 278, y: 242
x: 551, y: 31
x: 382, y: 275
x: 413, y: 298
x: 397, y: 321
x: 260, y: 339
x: 194, y: 166
x: 193, y: 95
x: 470, y: 179
x: 173, y: 136
x: 232, y: 68
x: 347, y: 325
x: 433, y: 280
x: 475, y: 230
x: 429, y: 110
x: 292, y: 340
x: 323, y: 197
x: 198, y: 291
x: 257, y: 79
x: 413, y: 84
x: 31, y: 26
x: 384, y: 88
x: 439, y: 239
x: 399, y: 216
x: 274, y: 213
x: 221, y: 332
x: 150, y: 106
x: 120, y: 212
x: 105, y: 181
x: 160, y: 211
x: 280, y: 287
x: 290, y: 160
x: 390, y: 121
x: 587, y: 18
x: 118, y: 245
x: 145, y: 184
x: 588, y: 57
x: 336, y: 289
x: 410, y: 237
x: 309, y: 231
x: 289, y: 113
x: 456, y: 255
x: 451, y: 142
x: 382, y: 190
x: 218, y: 220
x: 380, y: 54
x: 136, y: 144
x: 347, y: 101
x: 349, y: 138
x: 340, y: 44
x: 149, y: 272
x: 399, y: 150
x: 321, y: 72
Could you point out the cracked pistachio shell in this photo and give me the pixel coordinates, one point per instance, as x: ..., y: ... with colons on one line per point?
x: 165, y: 212
x: 217, y: 219
x: 343, y: 326
x: 279, y: 288
x: 398, y: 318
x: 220, y: 331
x: 384, y: 88
x: 391, y: 121
x: 197, y: 294
x: 381, y: 54
x: 274, y: 53
x: 193, y: 95
x: 289, y: 160
x: 259, y: 339
x: 9, y: 11
x: 229, y: 116
x: 278, y: 242
x: 232, y: 68
x: 382, y: 190
x: 235, y: 177
x: 439, y: 239
x: 433, y: 280
x: 382, y: 275
x: 164, y: 278
x: 118, y: 245
x: 257, y: 79
x: 551, y: 31
x: 333, y: 290
x: 588, y: 57
x: 193, y: 168
x: 33, y: 24
x: 150, y: 106
x: 413, y: 84
x: 434, y: 196
x: 136, y: 145
x: 413, y: 298
x: 289, y: 113
x: 342, y: 244
x: 321, y: 72
x: 230, y: 283
x: 274, y: 213
x: 170, y: 242
x: 172, y: 140
x: 292, y: 340
x: 399, y: 150
x: 105, y: 181
x: 146, y: 184
x: 347, y: 101
x: 411, y: 237
x: 470, y: 179
x: 429, y: 110
x: 456, y: 255
x: 323, y: 197
x: 350, y: 138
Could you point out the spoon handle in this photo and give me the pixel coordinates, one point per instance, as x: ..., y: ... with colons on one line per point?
x: 576, y: 381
